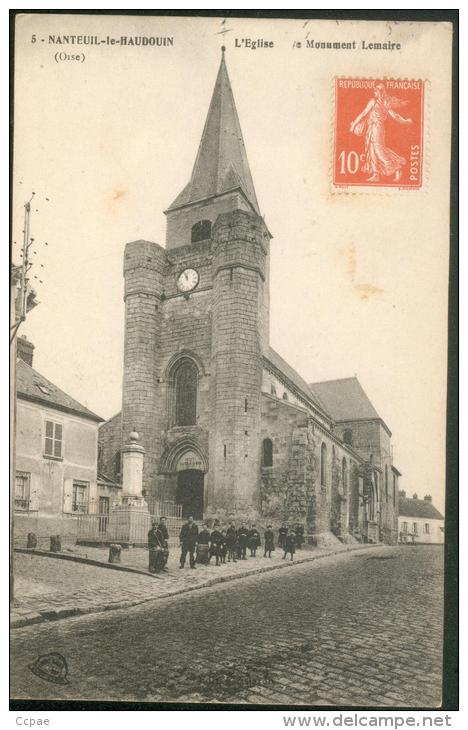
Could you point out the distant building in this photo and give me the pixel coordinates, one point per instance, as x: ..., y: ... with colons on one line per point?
x: 56, y: 456
x: 228, y: 426
x: 419, y: 521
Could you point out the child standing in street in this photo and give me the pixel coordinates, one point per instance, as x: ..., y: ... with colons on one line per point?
x: 290, y: 544
x: 269, y: 541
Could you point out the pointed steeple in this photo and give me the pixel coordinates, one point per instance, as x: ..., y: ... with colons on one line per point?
x: 221, y: 164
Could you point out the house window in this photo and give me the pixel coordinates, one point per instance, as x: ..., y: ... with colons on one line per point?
x: 22, y: 489
x: 405, y: 527
x: 267, y: 452
x: 285, y: 396
x: 186, y: 378
x: 201, y: 231
x: 53, y: 439
x: 415, y: 528
x: 427, y: 528
x: 348, y: 436
x: 272, y: 389
x: 80, y: 497
x: 323, y: 465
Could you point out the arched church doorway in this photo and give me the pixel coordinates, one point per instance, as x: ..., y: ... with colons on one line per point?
x: 189, y: 492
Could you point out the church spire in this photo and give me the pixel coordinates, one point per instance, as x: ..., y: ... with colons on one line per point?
x: 221, y: 164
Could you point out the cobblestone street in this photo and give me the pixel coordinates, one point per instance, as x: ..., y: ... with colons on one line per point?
x: 51, y: 587
x: 358, y: 628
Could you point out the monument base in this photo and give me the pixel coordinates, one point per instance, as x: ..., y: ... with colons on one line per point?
x: 130, y: 522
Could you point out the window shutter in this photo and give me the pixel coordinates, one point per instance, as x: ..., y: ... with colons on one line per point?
x: 67, y: 495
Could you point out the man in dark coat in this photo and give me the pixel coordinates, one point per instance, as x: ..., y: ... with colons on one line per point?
x: 253, y: 540
x: 188, y: 542
x: 269, y: 541
x: 158, y: 552
x: 242, y: 537
x: 290, y: 544
x: 282, y: 532
x: 216, y: 539
x: 231, y: 539
x: 299, y: 536
x: 203, y: 550
x: 223, y: 548
x: 163, y: 528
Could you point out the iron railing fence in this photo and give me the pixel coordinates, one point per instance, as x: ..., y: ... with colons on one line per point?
x: 129, y: 526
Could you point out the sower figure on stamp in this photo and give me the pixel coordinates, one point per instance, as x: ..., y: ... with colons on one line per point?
x: 203, y: 548
x: 188, y: 542
x: 254, y: 540
x: 379, y: 159
x: 231, y: 538
x: 282, y: 532
x: 269, y: 541
x: 242, y: 537
x: 158, y: 552
x: 216, y: 539
x: 290, y: 544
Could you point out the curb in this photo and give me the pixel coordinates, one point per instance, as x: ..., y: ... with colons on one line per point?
x: 61, y: 613
x: 86, y: 561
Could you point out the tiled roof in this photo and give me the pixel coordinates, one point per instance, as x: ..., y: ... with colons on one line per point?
x: 31, y: 385
x: 345, y: 399
x: 106, y: 481
x: 418, y: 508
x: 221, y: 163
x: 292, y: 375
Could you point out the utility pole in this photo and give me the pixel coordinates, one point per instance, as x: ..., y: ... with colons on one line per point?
x: 22, y: 300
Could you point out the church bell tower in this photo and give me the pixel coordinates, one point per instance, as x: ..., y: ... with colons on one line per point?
x: 202, y: 303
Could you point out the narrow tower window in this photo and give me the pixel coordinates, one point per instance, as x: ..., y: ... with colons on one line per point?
x: 348, y: 436
x: 186, y: 394
x: 201, y: 231
x: 323, y: 465
x: 267, y: 457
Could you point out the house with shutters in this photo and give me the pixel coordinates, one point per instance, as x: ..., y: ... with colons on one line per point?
x: 56, y: 456
x: 419, y: 521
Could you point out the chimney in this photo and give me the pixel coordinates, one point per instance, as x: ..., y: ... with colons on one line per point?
x: 25, y: 350
x: 415, y: 496
x: 402, y: 493
x: 427, y: 498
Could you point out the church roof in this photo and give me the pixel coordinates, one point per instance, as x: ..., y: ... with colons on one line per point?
x: 32, y: 386
x: 345, y: 399
x: 418, y: 508
x: 294, y: 377
x: 221, y: 164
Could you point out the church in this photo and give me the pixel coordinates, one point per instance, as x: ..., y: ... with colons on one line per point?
x: 229, y: 428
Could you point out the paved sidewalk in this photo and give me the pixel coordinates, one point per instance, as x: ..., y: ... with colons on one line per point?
x: 47, y: 589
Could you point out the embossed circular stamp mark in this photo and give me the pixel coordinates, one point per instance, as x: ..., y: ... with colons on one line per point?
x: 378, y: 139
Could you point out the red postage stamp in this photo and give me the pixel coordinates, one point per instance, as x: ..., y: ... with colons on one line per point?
x: 378, y: 132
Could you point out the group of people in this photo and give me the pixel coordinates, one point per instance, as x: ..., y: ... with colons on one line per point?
x: 223, y: 543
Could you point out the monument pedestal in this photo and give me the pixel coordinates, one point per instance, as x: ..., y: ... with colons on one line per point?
x: 130, y: 521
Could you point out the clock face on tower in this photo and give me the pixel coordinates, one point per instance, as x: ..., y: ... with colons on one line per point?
x: 187, y: 280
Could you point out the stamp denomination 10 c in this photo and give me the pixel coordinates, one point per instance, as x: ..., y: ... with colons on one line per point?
x: 378, y: 132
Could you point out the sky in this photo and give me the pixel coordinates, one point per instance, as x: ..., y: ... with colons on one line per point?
x: 111, y: 141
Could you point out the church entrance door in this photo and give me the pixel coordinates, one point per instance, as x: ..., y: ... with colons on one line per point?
x: 189, y: 493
